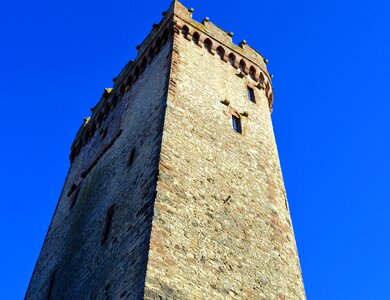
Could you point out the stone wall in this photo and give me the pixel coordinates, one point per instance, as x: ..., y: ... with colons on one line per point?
x: 198, y: 210
x: 74, y: 264
x: 221, y: 228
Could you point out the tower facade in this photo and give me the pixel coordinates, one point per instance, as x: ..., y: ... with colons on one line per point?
x: 175, y: 189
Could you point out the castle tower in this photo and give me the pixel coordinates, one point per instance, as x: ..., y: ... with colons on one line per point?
x: 175, y: 189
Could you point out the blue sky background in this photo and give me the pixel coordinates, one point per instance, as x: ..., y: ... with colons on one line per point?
x: 331, y: 116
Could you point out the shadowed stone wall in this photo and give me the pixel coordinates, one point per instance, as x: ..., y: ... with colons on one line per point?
x: 85, y: 269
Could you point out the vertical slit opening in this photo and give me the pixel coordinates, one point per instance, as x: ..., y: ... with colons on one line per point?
x: 107, y: 226
x: 236, y: 123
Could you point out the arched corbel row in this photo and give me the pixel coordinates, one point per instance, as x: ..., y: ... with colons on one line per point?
x: 248, y: 69
x: 244, y: 67
x: 91, y: 125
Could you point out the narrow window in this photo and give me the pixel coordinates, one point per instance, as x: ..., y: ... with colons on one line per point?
x: 185, y: 30
x: 251, y: 95
x: 151, y: 53
x: 143, y: 65
x: 165, y: 37
x: 51, y: 284
x: 100, y: 118
x: 92, y: 130
x: 72, y: 189
x: 73, y: 197
x: 242, y: 66
x: 107, y: 226
x: 208, y: 45
x: 136, y: 73
x: 106, y: 111
x: 195, y: 38
x: 158, y: 45
x: 122, y: 89
x: 231, y: 59
x: 261, y: 78
x: 115, y: 100
x: 221, y: 52
x: 236, y: 123
x: 252, y: 73
x: 131, y: 157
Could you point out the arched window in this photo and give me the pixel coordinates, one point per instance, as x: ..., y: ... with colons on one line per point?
x: 122, y: 88
x: 195, y: 38
x: 136, y: 73
x: 115, y: 100
x: 106, y: 111
x: 232, y: 59
x: 129, y: 80
x: 91, y: 132
x: 261, y: 78
x: 252, y: 73
x: 143, y: 65
x: 165, y: 37
x: 267, y: 88
x: 151, y: 53
x: 73, y: 197
x: 242, y: 66
x: 100, y: 118
x: 221, y: 52
x: 208, y: 44
x: 108, y: 224
x: 158, y: 46
x: 185, y: 30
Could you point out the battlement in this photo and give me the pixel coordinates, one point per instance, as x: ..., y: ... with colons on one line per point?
x: 178, y: 20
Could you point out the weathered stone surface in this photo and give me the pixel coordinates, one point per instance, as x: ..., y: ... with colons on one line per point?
x: 221, y: 228
x: 199, y: 211
x: 85, y: 268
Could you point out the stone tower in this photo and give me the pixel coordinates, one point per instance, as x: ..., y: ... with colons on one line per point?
x: 175, y: 189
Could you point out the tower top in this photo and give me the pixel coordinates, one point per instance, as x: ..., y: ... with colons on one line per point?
x: 180, y: 18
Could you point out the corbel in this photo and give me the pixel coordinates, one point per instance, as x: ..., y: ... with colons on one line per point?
x: 225, y: 57
x: 188, y: 36
x: 245, y: 114
x: 260, y: 86
x: 225, y: 102
x: 241, y: 74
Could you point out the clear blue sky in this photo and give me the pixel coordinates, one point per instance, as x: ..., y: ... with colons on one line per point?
x: 331, y: 116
